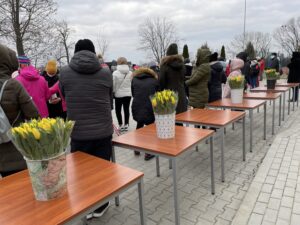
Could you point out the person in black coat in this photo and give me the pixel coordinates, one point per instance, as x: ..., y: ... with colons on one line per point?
x: 294, y: 73
x: 188, y: 73
x: 217, y: 77
x: 172, y: 72
x: 246, y: 69
x: 144, y: 84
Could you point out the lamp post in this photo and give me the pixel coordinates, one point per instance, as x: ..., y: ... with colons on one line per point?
x: 245, y: 24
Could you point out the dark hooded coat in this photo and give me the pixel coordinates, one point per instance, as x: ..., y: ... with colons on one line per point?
x: 294, y: 67
x: 198, y: 83
x: 87, y: 88
x: 143, y: 85
x: 217, y: 77
x: 15, y: 100
x: 172, y: 74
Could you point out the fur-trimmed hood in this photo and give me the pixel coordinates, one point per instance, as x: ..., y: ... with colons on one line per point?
x: 174, y: 61
x: 144, y: 71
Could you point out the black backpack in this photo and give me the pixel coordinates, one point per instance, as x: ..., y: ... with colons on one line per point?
x: 254, y: 70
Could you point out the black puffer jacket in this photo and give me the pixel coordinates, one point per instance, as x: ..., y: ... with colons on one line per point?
x: 294, y: 67
x: 144, y: 84
x: 217, y: 77
x: 88, y: 92
x: 172, y: 75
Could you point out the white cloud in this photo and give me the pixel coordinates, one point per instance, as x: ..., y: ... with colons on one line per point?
x: 197, y: 21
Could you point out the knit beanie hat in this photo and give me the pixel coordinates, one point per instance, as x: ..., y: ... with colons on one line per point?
x: 23, y: 59
x: 51, y: 67
x: 84, y: 44
x: 213, y: 57
x: 172, y: 49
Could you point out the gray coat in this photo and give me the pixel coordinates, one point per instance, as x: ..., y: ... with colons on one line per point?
x: 87, y: 88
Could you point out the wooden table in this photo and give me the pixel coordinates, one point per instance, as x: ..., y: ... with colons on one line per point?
x: 247, y: 104
x: 290, y: 85
x: 145, y: 140
x: 276, y: 90
x: 91, y: 182
x: 267, y: 96
x: 216, y: 119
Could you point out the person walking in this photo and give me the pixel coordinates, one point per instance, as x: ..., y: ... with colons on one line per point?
x: 217, y: 77
x: 87, y: 88
x: 246, y: 68
x: 17, y: 106
x: 294, y: 74
x: 122, y: 92
x: 274, y: 62
x: 198, y: 83
x: 144, y: 84
x: 254, y: 73
x: 172, y: 74
x: 37, y: 88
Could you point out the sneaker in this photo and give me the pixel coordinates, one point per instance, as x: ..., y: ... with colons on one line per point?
x: 89, y: 216
x: 125, y: 127
x: 148, y: 157
x: 136, y: 153
x: 101, y: 210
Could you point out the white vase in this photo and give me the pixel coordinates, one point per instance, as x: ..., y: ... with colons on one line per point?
x: 165, y: 125
x: 237, y: 95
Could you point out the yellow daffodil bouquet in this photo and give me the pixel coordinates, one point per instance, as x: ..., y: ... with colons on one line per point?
x: 164, y: 102
x: 42, y: 139
x: 271, y: 74
x: 236, y: 82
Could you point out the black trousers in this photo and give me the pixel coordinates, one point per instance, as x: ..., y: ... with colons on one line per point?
x: 125, y: 102
x: 295, y: 98
x: 101, y: 148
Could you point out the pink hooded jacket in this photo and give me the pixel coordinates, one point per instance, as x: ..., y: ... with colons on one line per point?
x: 37, y: 88
x: 54, y: 89
x: 235, y: 67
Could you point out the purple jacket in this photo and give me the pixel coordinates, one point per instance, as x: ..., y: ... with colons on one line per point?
x: 36, y: 87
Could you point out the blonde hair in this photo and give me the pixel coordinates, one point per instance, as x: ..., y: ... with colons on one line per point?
x: 122, y: 61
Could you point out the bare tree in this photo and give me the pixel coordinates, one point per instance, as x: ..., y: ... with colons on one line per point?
x: 288, y: 35
x: 261, y: 43
x: 102, y: 42
x: 156, y: 35
x: 24, y: 22
x: 64, y: 33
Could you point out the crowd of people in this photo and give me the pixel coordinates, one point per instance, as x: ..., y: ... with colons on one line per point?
x: 87, y: 90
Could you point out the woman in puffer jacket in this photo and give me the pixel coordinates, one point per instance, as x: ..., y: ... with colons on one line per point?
x: 235, y: 67
x: 37, y: 88
x: 122, y: 92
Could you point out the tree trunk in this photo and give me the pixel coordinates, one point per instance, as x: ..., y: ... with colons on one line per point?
x: 16, y: 24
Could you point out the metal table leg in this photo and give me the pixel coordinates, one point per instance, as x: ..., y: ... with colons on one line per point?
x: 222, y: 155
x: 283, y: 106
x: 233, y: 126
x: 175, y: 193
x: 170, y: 164
x: 141, y: 202
x: 113, y: 159
x: 251, y: 127
x: 289, y: 103
x: 157, y: 166
x: 294, y: 98
x: 244, y: 138
x: 297, y: 89
x: 280, y: 102
x: 265, y: 121
x: 212, y: 165
x: 273, y: 117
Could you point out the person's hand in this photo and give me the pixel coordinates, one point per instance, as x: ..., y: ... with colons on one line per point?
x: 54, y: 101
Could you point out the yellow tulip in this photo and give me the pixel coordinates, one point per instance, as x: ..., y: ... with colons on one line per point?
x: 154, y: 102
x: 36, y: 133
x: 173, y: 100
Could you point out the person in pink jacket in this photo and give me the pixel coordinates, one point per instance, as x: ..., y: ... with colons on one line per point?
x: 37, y: 88
x: 55, y: 89
x: 235, y: 67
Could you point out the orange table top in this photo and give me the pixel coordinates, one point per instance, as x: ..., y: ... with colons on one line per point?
x: 287, y: 84
x: 146, y: 139
x: 262, y: 95
x: 215, y: 118
x: 90, y: 180
x: 246, y: 104
x: 264, y: 89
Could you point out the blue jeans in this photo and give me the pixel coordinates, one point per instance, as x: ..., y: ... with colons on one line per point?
x: 253, y: 82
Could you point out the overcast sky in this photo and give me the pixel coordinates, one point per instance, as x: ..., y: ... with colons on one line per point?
x: 197, y: 21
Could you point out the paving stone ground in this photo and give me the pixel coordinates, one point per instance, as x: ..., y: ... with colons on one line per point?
x: 197, y: 205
